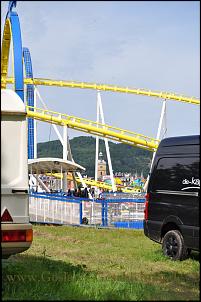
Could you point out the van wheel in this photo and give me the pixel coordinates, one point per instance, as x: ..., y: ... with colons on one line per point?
x: 173, y: 245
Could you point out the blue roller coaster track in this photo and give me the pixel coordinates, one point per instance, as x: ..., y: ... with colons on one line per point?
x: 20, y: 55
x: 30, y: 100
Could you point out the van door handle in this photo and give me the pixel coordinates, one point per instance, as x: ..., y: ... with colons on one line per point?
x: 19, y: 191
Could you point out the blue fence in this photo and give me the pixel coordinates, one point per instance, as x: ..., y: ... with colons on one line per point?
x: 115, y: 211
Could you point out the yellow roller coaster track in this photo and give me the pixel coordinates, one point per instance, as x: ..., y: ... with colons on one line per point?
x: 94, y: 183
x: 105, y: 87
x: 80, y: 124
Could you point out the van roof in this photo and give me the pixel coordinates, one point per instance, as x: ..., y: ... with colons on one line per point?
x: 180, y: 141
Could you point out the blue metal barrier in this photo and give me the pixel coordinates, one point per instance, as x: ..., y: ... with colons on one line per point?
x: 59, y: 196
x: 131, y: 225
x: 120, y: 213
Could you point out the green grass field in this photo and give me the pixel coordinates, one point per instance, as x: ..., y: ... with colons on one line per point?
x: 81, y: 263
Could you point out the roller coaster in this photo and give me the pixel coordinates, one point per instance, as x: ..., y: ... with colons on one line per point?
x: 104, y: 87
x: 21, y: 56
x: 95, y: 128
x: 93, y: 183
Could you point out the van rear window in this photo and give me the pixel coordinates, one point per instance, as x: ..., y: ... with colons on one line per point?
x: 175, y: 174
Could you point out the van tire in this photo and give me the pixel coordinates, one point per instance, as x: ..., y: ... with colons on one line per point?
x: 173, y: 246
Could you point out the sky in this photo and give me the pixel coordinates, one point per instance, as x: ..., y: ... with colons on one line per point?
x: 138, y: 44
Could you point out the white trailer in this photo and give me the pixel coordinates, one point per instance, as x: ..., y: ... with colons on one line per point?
x: 16, y: 230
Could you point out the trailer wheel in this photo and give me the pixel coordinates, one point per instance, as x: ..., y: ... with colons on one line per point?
x: 173, y: 246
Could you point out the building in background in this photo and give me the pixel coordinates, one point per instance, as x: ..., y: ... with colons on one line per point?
x: 101, y: 166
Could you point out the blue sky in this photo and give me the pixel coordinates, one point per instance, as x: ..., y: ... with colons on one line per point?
x: 153, y: 45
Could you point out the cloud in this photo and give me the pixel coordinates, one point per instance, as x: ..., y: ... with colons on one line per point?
x: 137, y: 44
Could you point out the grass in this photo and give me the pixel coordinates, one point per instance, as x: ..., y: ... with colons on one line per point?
x: 80, y: 263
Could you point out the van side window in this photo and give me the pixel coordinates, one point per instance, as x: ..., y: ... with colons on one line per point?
x: 175, y: 174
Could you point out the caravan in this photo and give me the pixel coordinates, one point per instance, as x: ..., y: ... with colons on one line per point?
x: 16, y: 230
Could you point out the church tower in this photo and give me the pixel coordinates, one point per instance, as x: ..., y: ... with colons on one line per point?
x: 101, y: 166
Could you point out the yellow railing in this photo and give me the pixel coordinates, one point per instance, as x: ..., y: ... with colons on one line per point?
x: 105, y: 87
x: 5, y: 51
x: 95, y: 183
x: 80, y: 124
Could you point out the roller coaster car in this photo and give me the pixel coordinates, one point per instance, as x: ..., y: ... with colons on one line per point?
x: 172, y: 199
x: 16, y: 231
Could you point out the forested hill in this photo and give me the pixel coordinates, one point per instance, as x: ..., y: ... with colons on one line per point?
x: 124, y: 158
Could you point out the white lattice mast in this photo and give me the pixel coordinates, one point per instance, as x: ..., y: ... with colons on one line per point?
x: 101, y: 115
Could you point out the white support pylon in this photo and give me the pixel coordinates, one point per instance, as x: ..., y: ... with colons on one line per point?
x: 43, y: 186
x: 159, y: 134
x: 35, y: 130
x: 100, y: 110
x: 97, y: 141
x: 62, y: 140
x: 70, y: 157
x: 65, y: 151
x: 54, y: 126
x: 63, y: 143
x: 65, y: 156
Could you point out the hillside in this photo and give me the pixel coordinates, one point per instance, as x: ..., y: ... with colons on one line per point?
x: 125, y: 158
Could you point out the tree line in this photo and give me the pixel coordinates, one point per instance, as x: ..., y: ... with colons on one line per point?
x: 124, y: 158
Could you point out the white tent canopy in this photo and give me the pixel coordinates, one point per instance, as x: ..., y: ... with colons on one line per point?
x: 54, y: 165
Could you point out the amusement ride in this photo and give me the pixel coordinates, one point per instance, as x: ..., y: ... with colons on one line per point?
x: 26, y: 86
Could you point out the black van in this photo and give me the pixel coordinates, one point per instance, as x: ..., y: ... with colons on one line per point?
x: 171, y: 215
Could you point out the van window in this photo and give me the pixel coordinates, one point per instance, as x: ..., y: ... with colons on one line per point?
x: 175, y: 174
